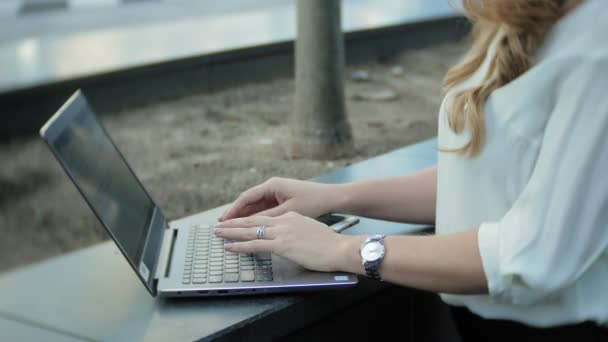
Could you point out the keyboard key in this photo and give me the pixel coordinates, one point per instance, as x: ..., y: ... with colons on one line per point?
x: 263, y: 268
x: 215, y: 279
x: 246, y: 263
x: 200, y: 280
x: 246, y: 267
x: 263, y: 256
x: 186, y: 281
x: 247, y: 276
x: 267, y: 271
x: 263, y: 277
x: 231, y: 270
x: 231, y: 262
x: 231, y: 277
x: 216, y: 272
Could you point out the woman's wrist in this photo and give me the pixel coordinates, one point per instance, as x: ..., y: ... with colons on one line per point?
x: 347, y: 258
x: 340, y: 196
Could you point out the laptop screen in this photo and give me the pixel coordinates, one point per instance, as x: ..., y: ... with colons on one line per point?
x: 107, y: 183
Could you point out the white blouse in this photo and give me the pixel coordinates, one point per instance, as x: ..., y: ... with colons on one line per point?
x: 538, y: 191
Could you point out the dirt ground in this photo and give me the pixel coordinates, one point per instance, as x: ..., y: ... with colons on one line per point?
x: 199, y: 152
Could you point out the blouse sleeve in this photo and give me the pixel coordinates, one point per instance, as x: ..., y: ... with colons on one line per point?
x: 558, y: 226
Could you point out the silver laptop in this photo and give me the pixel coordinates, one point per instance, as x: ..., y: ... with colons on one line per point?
x: 170, y: 259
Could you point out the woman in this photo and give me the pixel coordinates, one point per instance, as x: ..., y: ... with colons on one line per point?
x: 519, y: 196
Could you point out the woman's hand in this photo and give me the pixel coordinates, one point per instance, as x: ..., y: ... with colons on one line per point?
x: 278, y: 196
x: 298, y: 238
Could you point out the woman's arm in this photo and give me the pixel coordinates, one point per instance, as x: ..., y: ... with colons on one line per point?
x: 441, y: 263
x: 409, y: 198
x: 446, y: 263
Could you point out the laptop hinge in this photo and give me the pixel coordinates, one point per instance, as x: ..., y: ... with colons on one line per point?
x: 166, y: 250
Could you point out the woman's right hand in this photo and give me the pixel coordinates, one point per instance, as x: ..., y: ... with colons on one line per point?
x: 277, y: 196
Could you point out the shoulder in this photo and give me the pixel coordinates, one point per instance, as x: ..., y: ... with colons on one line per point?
x: 580, y: 36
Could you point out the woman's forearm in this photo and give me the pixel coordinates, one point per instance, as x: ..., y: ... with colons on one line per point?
x: 409, y: 198
x: 441, y: 263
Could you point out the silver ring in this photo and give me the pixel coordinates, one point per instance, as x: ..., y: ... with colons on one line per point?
x: 260, y: 232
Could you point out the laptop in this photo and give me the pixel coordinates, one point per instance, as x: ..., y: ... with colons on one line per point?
x: 170, y: 259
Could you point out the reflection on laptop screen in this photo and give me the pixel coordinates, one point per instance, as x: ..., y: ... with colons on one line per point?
x: 105, y: 180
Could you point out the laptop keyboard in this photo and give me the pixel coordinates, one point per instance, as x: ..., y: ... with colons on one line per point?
x: 208, y: 262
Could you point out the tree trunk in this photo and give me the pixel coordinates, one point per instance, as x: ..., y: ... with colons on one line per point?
x: 320, y: 126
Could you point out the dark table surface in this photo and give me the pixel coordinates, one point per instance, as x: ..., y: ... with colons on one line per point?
x: 92, y: 294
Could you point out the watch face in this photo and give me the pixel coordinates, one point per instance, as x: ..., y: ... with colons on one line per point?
x: 372, y: 251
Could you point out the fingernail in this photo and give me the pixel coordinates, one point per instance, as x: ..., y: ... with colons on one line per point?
x: 228, y: 246
x: 220, y: 218
x: 217, y: 231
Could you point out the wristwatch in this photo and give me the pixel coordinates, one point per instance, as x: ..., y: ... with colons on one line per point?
x: 372, y: 253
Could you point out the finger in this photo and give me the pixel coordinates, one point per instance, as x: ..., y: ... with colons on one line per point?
x: 253, y: 246
x: 245, y: 222
x: 245, y: 211
x: 247, y: 198
x: 243, y: 234
x: 276, y: 211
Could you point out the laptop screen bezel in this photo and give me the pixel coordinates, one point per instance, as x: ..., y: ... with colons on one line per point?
x: 155, y: 222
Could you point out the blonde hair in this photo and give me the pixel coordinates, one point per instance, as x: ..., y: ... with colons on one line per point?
x: 525, y: 24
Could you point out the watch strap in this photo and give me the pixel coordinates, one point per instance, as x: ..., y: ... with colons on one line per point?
x: 371, y: 270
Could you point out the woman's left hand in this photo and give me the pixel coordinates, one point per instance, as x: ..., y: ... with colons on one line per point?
x: 298, y: 238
